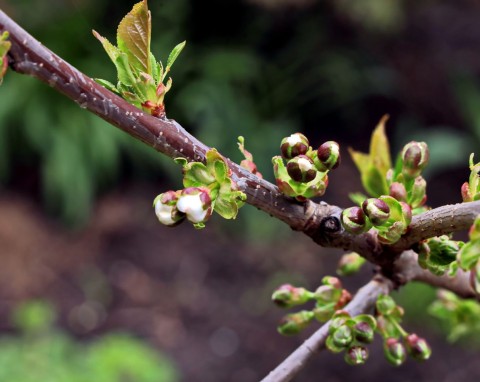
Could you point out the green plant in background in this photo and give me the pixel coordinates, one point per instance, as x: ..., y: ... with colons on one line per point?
x: 42, y: 352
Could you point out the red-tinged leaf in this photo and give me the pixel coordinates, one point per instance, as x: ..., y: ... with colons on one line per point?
x: 133, y: 37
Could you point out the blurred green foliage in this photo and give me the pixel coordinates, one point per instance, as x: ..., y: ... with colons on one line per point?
x: 42, y: 353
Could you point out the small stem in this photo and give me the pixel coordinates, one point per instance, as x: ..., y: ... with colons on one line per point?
x: 397, y: 325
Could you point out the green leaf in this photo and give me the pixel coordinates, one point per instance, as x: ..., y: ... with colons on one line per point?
x: 124, y: 71
x: 173, y: 56
x: 469, y: 255
x: 379, y: 147
x: 357, y: 198
x: 106, y: 84
x: 373, y: 167
x: 330, y: 345
x: 112, y: 51
x: 196, y: 174
x: 4, y: 44
x: 133, y: 37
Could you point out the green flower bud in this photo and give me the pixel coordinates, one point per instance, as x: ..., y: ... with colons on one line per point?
x: 418, y: 347
x: 394, y: 351
x: 328, y: 155
x: 301, y: 169
x: 295, y: 144
x: 356, y: 355
x: 350, y: 263
x: 415, y: 157
x: 196, y: 203
x: 166, y: 208
x: 340, y: 318
x: 287, y: 296
x: 353, y: 220
x: 417, y: 196
x: 295, y: 322
x: 333, y: 281
x: 323, y: 313
x: 326, y: 294
x: 342, y: 337
x: 407, y: 212
x: 398, y: 191
x: 377, y: 211
x: 363, y: 332
x: 385, y: 305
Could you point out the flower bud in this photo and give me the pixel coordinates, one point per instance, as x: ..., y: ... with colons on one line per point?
x: 324, y: 312
x: 394, y: 351
x: 295, y: 144
x: 466, y: 194
x: 418, y: 195
x: 356, y: 355
x: 295, y: 322
x: 353, y: 220
x: 287, y: 296
x: 407, y: 212
x: 415, y: 157
x: 342, y: 337
x: 301, y: 169
x: 350, y: 263
x: 385, y: 305
x: 377, y: 210
x: 340, y: 318
x: 333, y: 281
x: 363, y: 332
x: 326, y: 294
x: 418, y: 347
x: 398, y: 191
x: 328, y: 155
x: 166, y: 208
x: 196, y: 203
x: 344, y: 299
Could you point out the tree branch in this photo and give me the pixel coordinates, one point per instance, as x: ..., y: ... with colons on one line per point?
x: 319, y: 221
x: 362, y: 302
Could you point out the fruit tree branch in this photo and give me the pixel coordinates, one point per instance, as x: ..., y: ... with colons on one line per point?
x: 320, y: 221
x: 362, y: 302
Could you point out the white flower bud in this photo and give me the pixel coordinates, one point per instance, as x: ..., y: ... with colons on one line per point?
x: 196, y: 203
x: 166, y: 210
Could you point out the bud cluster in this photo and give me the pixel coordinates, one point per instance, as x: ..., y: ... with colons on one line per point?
x: 328, y: 298
x: 397, y: 342
x: 305, y: 173
x: 389, y: 217
x: 438, y: 254
x: 397, y: 193
x: 193, y: 203
x: 351, y: 334
x: 405, y: 182
x: 208, y: 187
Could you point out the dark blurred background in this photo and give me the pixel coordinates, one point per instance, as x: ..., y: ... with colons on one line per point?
x: 92, y: 286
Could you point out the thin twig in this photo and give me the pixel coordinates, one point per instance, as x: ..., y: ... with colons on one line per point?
x: 362, y: 302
